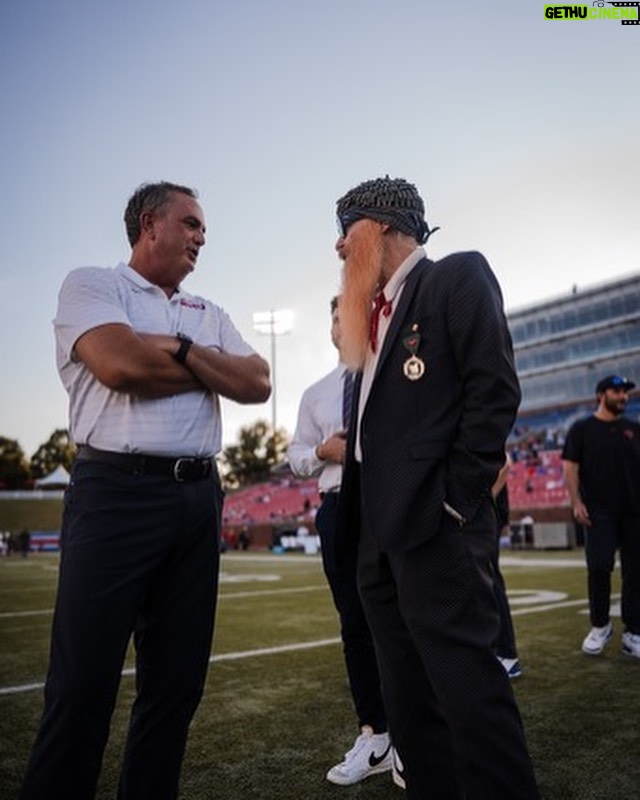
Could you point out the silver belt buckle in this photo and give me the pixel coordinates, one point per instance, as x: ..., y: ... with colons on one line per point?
x: 180, y: 462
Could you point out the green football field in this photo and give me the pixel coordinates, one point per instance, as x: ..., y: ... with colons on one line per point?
x: 277, y: 713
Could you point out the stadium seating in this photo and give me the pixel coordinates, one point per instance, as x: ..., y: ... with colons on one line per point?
x: 535, y: 481
x: 273, y: 501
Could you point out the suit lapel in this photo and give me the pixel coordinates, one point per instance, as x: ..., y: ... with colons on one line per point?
x: 353, y: 425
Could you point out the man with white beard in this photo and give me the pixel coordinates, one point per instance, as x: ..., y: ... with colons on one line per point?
x: 435, y: 399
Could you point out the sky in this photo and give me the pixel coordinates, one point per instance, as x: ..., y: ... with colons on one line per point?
x: 521, y: 134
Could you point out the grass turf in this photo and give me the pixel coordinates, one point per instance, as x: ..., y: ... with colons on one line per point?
x: 272, y: 722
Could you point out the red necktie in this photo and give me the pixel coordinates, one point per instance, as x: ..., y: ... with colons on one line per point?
x: 380, y: 306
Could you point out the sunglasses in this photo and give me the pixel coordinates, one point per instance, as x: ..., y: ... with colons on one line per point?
x: 345, y: 221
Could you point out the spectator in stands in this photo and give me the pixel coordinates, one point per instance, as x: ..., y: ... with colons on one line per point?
x: 318, y: 448
x: 144, y: 364
x: 601, y: 459
x: 437, y: 395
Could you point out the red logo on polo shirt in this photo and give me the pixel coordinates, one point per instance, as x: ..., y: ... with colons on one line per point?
x: 193, y: 304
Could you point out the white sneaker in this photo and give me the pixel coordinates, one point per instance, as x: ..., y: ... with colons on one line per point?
x: 597, y: 638
x: 631, y: 644
x: 397, y: 769
x: 370, y: 754
x: 511, y: 666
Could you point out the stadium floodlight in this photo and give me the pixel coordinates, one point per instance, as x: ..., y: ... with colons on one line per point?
x: 273, y: 323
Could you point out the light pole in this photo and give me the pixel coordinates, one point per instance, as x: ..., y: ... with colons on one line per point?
x: 273, y: 323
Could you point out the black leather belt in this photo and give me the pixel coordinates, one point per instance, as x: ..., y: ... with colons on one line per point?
x: 335, y: 492
x: 184, y: 469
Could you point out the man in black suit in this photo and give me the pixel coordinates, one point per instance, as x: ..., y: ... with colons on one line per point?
x: 436, y: 398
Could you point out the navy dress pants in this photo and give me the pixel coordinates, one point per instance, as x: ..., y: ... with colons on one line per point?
x: 505, y: 643
x: 359, y: 650
x: 140, y: 554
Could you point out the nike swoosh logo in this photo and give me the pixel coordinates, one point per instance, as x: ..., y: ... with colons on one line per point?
x: 374, y: 760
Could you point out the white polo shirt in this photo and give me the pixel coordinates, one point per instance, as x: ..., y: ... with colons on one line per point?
x: 180, y: 425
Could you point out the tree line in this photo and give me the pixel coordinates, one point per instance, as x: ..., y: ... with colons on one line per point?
x: 251, y: 460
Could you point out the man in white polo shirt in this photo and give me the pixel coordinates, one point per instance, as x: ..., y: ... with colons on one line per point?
x: 144, y: 365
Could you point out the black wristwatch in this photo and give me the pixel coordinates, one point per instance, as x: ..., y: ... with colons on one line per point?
x: 185, y: 343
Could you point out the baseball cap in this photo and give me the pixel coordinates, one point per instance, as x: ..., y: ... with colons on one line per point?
x: 614, y: 382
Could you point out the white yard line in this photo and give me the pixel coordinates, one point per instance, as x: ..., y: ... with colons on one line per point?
x: 506, y: 561
x: 11, y: 614
x: 221, y: 596
x: 285, y: 648
x: 262, y: 651
x: 552, y: 606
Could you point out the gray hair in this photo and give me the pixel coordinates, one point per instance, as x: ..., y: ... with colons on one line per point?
x: 149, y: 197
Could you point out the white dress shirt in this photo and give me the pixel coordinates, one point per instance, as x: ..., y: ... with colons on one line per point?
x: 319, y: 417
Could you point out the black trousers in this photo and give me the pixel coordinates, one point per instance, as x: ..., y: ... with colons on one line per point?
x: 139, y: 554
x: 451, y: 709
x: 505, y: 643
x: 359, y: 651
x: 607, y: 534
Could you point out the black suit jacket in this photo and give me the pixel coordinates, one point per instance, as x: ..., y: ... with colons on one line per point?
x: 441, y: 437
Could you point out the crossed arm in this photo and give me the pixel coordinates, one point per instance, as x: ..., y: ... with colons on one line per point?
x: 143, y: 364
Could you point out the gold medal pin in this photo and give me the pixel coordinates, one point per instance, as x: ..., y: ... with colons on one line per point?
x: 414, y: 367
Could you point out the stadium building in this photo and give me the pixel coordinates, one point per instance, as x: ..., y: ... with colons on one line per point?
x: 563, y: 346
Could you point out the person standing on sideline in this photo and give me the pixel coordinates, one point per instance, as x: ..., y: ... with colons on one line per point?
x: 144, y: 364
x: 318, y: 448
x: 436, y: 397
x: 601, y: 460
x: 505, y: 644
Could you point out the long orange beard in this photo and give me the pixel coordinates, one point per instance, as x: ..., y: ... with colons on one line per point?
x: 361, y: 277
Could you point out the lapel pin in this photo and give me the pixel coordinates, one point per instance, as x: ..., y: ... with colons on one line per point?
x: 414, y: 367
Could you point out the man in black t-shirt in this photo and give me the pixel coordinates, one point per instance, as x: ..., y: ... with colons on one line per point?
x: 601, y: 459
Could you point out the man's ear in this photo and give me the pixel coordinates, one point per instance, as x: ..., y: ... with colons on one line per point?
x: 147, y: 223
